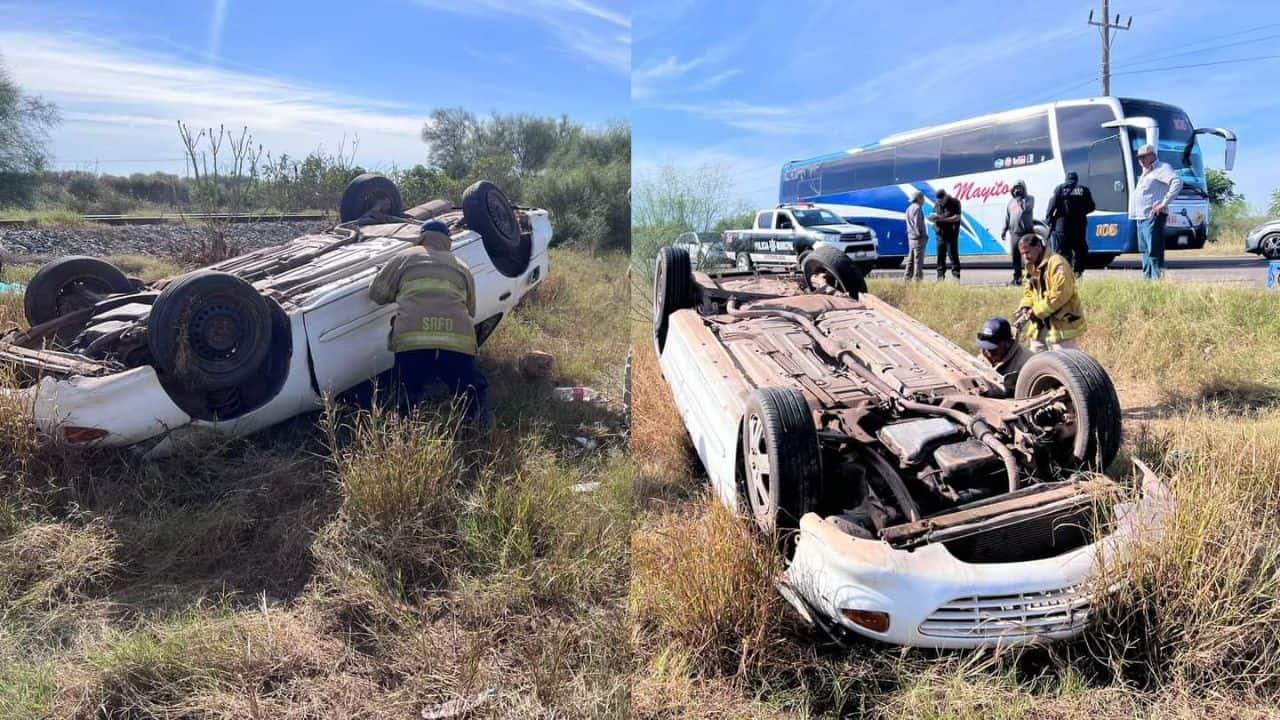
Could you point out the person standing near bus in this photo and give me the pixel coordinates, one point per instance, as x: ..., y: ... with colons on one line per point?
x: 946, y: 218
x: 917, y: 237
x: 1019, y: 220
x: 1157, y: 187
x: 1068, y: 220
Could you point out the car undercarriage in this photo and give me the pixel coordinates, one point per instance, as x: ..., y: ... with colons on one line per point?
x: 882, y: 458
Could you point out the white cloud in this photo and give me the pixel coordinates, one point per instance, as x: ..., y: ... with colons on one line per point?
x: 760, y: 119
x: 102, y: 89
x: 599, y: 34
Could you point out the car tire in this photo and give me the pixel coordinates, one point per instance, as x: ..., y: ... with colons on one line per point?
x: 673, y: 290
x: 487, y: 211
x: 367, y: 193
x: 209, y: 330
x: 1093, y: 398
x: 1269, y: 246
x: 742, y: 261
x: 781, y: 459
x: 69, y: 284
x: 838, y: 265
x: 1099, y: 261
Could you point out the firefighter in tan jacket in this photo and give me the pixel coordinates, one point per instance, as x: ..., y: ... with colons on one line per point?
x: 1049, y: 298
x: 432, y: 335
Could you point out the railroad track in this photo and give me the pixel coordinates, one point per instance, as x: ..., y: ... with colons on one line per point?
x: 180, y: 218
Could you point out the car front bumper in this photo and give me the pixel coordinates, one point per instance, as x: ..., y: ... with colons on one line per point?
x: 934, y: 600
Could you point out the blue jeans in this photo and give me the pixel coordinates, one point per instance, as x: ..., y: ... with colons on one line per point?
x: 416, y: 370
x: 1151, y: 245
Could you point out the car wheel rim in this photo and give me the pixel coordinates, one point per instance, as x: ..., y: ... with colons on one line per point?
x: 215, y: 331
x: 1271, y: 246
x: 659, y: 280
x: 759, y: 474
x: 744, y: 263
x: 1066, y: 429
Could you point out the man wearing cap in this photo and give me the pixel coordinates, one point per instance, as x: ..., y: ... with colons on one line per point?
x: 1018, y: 221
x: 917, y: 237
x: 1068, y: 220
x: 1157, y: 187
x: 946, y: 218
x: 432, y: 335
x: 1049, y: 299
x: 1002, y: 352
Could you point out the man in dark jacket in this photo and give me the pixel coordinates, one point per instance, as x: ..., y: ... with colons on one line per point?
x: 1068, y: 219
x: 1018, y: 221
x: 946, y: 218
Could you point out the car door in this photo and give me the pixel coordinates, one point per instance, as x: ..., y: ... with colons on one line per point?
x: 783, y: 250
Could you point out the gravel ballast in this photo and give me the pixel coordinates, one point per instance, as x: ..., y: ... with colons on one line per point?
x: 172, y: 240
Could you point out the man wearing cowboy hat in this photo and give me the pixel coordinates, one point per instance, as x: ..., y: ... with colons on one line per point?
x: 1148, y: 207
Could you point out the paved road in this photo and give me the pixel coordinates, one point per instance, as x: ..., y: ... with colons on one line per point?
x: 1236, y: 270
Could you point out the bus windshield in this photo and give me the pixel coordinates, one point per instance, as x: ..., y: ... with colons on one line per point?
x: 817, y: 216
x: 1176, y: 131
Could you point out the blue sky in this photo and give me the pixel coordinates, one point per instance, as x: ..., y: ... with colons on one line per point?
x: 752, y: 85
x: 302, y: 73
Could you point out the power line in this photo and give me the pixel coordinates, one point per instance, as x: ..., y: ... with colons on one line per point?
x: 1214, y: 48
x: 1208, y: 43
x: 1203, y: 64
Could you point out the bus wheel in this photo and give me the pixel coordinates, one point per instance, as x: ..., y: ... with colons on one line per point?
x: 1098, y: 261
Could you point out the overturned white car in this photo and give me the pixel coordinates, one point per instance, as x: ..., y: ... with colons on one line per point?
x: 916, y: 504
x: 255, y: 339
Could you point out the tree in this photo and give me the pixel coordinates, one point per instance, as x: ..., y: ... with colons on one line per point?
x: 672, y: 200
x: 452, y: 134
x: 1274, y: 210
x: 1221, y: 188
x: 685, y: 198
x: 25, y: 122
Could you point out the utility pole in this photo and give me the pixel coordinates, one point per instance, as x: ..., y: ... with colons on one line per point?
x: 1106, y: 26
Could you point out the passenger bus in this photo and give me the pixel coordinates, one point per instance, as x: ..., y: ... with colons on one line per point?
x: 978, y: 161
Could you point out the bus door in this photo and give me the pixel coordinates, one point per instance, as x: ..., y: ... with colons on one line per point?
x: 1097, y: 155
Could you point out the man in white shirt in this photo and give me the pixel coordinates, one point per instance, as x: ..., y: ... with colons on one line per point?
x: 1157, y: 187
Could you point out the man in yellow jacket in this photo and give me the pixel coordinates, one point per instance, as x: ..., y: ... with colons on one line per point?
x: 1049, y: 298
x: 432, y: 335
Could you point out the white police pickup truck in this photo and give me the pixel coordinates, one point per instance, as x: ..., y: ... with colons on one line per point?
x: 781, y: 237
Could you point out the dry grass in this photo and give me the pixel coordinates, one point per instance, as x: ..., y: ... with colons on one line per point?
x: 57, y: 218
x: 357, y: 564
x: 1182, y: 337
x: 1192, y: 634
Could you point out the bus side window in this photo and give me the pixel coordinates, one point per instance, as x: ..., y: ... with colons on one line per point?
x: 965, y: 152
x: 915, y: 161
x: 1024, y: 141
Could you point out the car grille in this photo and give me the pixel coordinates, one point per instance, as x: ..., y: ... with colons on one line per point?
x: 1012, y: 616
x: 856, y: 237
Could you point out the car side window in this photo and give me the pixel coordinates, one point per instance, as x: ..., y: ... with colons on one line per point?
x: 764, y: 221
x: 784, y: 221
